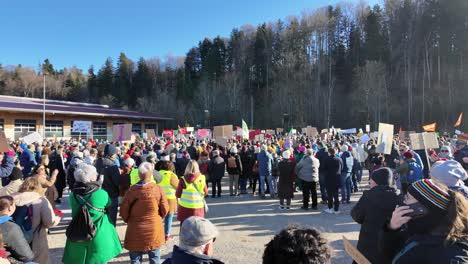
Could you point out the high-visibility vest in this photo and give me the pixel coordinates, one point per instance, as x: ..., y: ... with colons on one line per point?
x: 165, y: 184
x: 193, y: 195
x: 135, y: 178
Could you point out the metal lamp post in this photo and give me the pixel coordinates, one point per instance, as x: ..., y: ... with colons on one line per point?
x: 43, y: 106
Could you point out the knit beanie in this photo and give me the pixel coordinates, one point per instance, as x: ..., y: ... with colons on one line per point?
x: 110, y: 150
x: 430, y: 195
x: 16, y: 174
x: 408, y: 155
x: 383, y: 176
x: 450, y: 173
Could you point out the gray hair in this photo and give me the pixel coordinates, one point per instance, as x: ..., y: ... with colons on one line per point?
x: 85, y: 173
x: 129, y: 162
x: 145, y: 167
x: 263, y: 147
x: 309, y: 152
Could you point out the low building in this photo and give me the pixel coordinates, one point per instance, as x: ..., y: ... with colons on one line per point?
x: 19, y: 116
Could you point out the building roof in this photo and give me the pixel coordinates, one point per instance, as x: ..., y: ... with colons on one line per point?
x: 35, y: 105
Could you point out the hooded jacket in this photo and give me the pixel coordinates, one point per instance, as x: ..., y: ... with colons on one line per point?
x: 216, y: 168
x: 14, y: 240
x: 181, y: 256
x: 265, y: 163
x: 182, y: 212
x: 372, y: 210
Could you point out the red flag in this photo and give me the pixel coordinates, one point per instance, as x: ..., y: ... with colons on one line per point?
x: 430, y: 127
x: 458, y: 123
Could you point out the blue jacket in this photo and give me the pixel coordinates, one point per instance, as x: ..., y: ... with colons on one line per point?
x: 27, y: 161
x: 416, y: 157
x: 265, y: 163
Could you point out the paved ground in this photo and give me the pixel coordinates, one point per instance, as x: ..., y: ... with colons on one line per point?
x: 246, y: 224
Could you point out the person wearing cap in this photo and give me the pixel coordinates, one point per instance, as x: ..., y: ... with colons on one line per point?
x: 409, y: 170
x: 197, y: 238
x: 451, y: 174
x: 372, y: 210
x: 437, y: 232
x: 234, y: 169
x: 106, y: 167
x: 287, y: 177
x: 216, y: 169
x: 307, y: 171
x: 143, y: 209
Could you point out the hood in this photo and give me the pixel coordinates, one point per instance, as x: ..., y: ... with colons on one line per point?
x: 182, y: 256
x: 383, y: 197
x: 4, y: 219
x: 75, y: 161
x: 191, y: 177
x: 85, y: 188
x: 25, y: 198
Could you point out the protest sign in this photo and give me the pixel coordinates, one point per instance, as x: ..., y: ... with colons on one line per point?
x: 150, y: 133
x: 404, y: 135
x: 421, y: 141
x: 190, y: 129
x: 253, y: 133
x: 167, y: 133
x: 354, y: 253
x: 303, y: 130
x: 463, y: 136
x: 324, y: 131
x: 3, y: 142
x: 203, y: 133
x: 311, y: 131
x: 367, y: 128
x: 122, y: 132
x: 348, y: 131
x: 222, y: 141
x: 279, y: 130
x: 385, y: 139
x: 430, y: 140
x: 259, y: 137
x: 365, y: 138
x: 222, y: 131
x: 82, y: 127
x: 32, y: 138
x: 270, y: 131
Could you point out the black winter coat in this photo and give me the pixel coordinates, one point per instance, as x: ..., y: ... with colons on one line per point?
x: 333, y: 167
x: 373, y: 209
x: 322, y: 156
x: 248, y: 160
x: 111, y: 173
x: 286, y: 179
x: 216, y: 168
x: 427, y: 249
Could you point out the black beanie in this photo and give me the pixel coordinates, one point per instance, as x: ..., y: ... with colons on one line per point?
x: 383, y: 176
x: 16, y: 174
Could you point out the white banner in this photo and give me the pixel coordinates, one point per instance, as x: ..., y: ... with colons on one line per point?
x: 32, y: 138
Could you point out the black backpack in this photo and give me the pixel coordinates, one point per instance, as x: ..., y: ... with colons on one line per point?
x: 81, y: 227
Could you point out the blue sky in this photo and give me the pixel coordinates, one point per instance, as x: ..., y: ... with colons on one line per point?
x: 86, y: 32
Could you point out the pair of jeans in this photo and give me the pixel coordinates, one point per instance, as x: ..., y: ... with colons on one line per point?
x: 323, y: 190
x: 309, y: 189
x: 136, y: 257
x: 243, y: 184
x: 274, y: 185
x: 360, y: 171
x: 114, y: 208
x: 333, y: 199
x: 216, y: 184
x: 233, y: 184
x: 346, y: 186
x: 168, y: 224
x: 269, y: 181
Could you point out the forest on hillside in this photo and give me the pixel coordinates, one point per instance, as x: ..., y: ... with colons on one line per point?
x: 405, y: 63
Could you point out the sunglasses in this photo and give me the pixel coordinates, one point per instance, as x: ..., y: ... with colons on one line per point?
x: 444, y: 151
x: 401, y: 150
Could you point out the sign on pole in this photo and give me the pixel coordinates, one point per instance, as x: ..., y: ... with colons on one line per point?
x: 354, y: 253
x: 385, y: 139
x: 32, y: 138
x: 150, y: 133
x: 222, y: 131
x: 122, y: 132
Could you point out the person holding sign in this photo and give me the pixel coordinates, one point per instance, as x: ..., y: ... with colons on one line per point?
x: 430, y: 227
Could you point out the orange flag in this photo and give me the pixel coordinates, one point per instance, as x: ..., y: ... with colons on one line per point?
x: 430, y: 127
x: 458, y: 123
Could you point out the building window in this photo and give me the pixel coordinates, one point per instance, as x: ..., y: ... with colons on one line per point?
x: 117, y: 123
x: 151, y: 126
x: 100, y: 130
x: 24, y: 127
x: 136, y: 128
x: 1, y: 124
x: 54, y: 128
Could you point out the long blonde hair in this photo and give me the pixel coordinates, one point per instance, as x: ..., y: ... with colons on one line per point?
x: 32, y: 184
x: 192, y: 168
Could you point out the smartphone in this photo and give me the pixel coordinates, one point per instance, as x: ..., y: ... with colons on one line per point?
x: 418, y: 210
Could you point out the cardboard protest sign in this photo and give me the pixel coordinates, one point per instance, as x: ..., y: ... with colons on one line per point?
x: 167, y: 133
x: 82, y: 127
x: 222, y: 141
x: 404, y: 135
x: 270, y: 131
x: 3, y: 142
x: 354, y: 253
x: 122, y: 132
x: 311, y: 131
x: 424, y: 141
x: 385, y: 139
x: 32, y: 138
x: 150, y: 133
x: 222, y: 131
x: 259, y: 137
x: 324, y: 131
x: 279, y: 130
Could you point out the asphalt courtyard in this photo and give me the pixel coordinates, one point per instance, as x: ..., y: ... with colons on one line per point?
x: 246, y: 223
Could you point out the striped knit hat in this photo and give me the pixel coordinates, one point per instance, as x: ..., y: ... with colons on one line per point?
x: 430, y: 195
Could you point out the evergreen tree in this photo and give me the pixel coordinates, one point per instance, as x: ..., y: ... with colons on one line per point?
x: 105, y: 80
x: 123, y: 79
x: 92, y: 85
x: 48, y: 68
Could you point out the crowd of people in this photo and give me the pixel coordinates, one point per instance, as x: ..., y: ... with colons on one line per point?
x: 414, y: 202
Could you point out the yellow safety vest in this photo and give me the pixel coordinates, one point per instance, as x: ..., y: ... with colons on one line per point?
x: 135, y: 178
x: 193, y: 195
x: 165, y: 184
